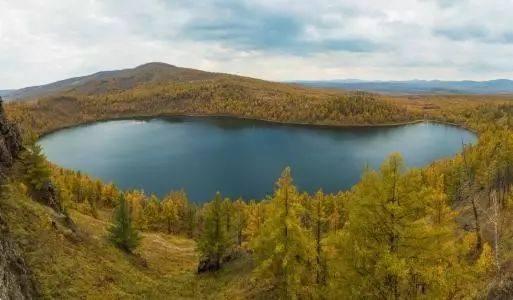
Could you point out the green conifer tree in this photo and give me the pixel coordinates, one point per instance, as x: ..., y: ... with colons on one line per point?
x: 35, y: 169
x: 214, y: 241
x: 122, y: 233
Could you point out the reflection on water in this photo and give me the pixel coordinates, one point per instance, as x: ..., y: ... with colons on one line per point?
x: 240, y: 157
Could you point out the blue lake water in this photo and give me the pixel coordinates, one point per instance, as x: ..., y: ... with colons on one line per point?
x: 240, y: 157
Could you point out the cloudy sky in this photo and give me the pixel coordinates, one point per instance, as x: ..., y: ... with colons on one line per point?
x: 45, y: 41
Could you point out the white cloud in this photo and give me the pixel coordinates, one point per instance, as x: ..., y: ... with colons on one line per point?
x: 44, y: 41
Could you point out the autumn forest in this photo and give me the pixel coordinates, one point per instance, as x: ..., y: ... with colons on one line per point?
x: 439, y: 232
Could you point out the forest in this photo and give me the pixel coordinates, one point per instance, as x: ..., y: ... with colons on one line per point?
x: 224, y: 96
x: 439, y: 232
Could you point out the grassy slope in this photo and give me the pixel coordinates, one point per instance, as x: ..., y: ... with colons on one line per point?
x: 165, y: 266
x: 66, y: 268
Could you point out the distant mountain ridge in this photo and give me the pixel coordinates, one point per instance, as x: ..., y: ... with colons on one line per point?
x: 108, y: 81
x: 498, y: 86
x: 158, y: 72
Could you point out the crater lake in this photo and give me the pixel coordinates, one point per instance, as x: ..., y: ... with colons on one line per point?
x: 240, y: 158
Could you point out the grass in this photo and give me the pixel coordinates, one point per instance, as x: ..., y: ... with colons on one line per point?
x: 163, y: 267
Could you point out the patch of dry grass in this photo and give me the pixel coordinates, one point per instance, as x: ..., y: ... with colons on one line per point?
x: 163, y: 266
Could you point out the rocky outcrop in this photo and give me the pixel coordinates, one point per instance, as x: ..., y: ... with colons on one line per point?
x: 47, y: 195
x: 61, y: 221
x: 10, y: 142
x: 15, y: 278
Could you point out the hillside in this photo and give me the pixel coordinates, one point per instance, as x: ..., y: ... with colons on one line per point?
x: 159, y: 89
x: 425, y: 233
x: 111, y: 81
x: 86, y: 264
x: 16, y: 280
x: 159, y: 73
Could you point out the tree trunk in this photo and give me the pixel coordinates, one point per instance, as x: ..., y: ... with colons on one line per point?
x: 495, y: 221
x: 479, y: 242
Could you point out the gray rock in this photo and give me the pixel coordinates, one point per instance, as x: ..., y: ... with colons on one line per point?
x: 15, y: 277
x: 10, y: 142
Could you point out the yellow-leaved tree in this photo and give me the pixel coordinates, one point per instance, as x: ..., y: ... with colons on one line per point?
x: 284, y: 250
x: 400, y: 240
x: 255, y: 220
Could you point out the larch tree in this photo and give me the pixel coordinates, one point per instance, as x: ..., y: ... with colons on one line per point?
x: 214, y: 241
x: 399, y: 241
x: 255, y: 219
x: 122, y: 232
x: 35, y: 169
x: 136, y: 201
x: 175, y: 207
x: 229, y: 219
x: 98, y: 188
x: 284, y: 250
x: 240, y: 220
x: 335, y: 210
x: 169, y: 212
x: 152, y: 212
x: 453, y: 273
x: 77, y: 187
x: 183, y: 208
x: 190, y: 222
x: 93, y: 207
x: 318, y: 229
x: 109, y: 194
x: 468, y: 189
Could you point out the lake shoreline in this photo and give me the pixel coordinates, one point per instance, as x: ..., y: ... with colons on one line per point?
x: 171, y: 153
x: 271, y: 122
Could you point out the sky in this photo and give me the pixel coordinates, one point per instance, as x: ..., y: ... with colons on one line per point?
x: 282, y: 40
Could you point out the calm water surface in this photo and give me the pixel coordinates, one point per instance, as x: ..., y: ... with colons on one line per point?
x: 240, y: 157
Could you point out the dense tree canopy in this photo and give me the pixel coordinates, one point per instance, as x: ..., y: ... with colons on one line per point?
x: 443, y: 231
x: 245, y: 98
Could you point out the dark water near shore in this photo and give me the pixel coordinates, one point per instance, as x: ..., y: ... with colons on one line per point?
x: 240, y: 157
